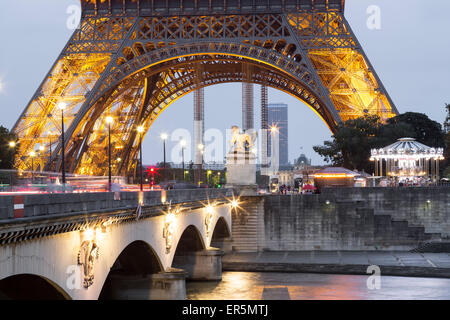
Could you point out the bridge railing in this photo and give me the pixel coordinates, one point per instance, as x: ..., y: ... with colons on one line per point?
x: 41, y: 205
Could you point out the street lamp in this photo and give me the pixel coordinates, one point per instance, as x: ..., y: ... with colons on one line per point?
x: 109, y: 121
x: 12, y: 145
x: 208, y: 175
x: 140, y: 130
x: 41, y: 152
x: 49, y: 134
x: 62, y: 106
x: 183, y: 144
x: 164, y: 137
x: 32, y: 155
x: 201, y: 147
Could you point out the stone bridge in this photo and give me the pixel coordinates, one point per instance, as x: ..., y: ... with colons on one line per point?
x: 106, y: 246
x: 112, y: 245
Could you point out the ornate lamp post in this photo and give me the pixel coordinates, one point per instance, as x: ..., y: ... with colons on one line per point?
x: 164, y: 138
x: 201, y: 148
x: 62, y: 106
x: 41, y: 153
x: 183, y: 144
x: 49, y: 133
x: 32, y: 155
x: 140, y: 130
x: 12, y: 145
x: 109, y: 121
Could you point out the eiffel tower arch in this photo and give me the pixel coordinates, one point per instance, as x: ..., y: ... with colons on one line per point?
x: 130, y: 59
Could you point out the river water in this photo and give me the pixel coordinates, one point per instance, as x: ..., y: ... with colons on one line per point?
x: 299, y: 286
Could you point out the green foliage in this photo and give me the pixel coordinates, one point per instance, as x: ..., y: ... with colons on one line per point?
x: 216, y: 180
x: 446, y: 173
x: 330, y: 152
x: 354, y: 139
x: 447, y: 141
x: 425, y: 131
x: 391, y: 132
x: 352, y: 143
x: 6, y: 152
x: 447, y: 120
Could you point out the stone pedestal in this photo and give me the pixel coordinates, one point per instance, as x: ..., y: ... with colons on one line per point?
x: 169, y: 285
x: 201, y: 265
x: 244, y: 191
x: 241, y: 169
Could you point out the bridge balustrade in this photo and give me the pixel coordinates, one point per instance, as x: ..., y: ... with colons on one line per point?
x: 42, y: 205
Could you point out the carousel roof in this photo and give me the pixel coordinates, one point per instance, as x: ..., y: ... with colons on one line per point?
x: 408, y: 146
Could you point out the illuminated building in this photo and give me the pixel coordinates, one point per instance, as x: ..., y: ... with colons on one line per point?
x: 278, y: 116
x: 334, y: 177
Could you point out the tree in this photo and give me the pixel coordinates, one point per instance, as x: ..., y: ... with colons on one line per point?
x: 352, y: 143
x: 447, y: 142
x: 353, y: 140
x: 425, y: 130
x: 447, y: 120
x: 331, y: 153
x: 7, y: 152
x: 391, y: 132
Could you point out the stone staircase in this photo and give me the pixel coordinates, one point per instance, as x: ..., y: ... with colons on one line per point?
x: 433, y: 247
x: 389, y: 232
x: 246, y: 227
x: 373, y: 231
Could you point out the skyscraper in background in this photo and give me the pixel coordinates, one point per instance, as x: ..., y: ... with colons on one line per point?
x: 278, y: 116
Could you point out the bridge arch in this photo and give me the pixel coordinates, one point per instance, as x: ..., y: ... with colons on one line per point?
x: 191, y: 240
x: 30, y: 287
x: 137, y: 261
x: 221, y: 234
x: 188, y: 246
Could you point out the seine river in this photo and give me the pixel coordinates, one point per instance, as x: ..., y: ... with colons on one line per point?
x: 296, y: 286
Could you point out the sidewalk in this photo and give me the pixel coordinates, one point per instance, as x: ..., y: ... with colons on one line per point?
x: 342, y: 262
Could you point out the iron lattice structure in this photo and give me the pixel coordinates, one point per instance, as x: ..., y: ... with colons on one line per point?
x: 248, y: 111
x: 130, y: 59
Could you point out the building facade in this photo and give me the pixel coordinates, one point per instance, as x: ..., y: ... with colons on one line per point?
x: 278, y: 117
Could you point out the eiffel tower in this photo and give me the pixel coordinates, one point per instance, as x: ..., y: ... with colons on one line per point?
x: 131, y: 59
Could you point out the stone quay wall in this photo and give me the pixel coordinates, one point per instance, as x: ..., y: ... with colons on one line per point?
x: 344, y: 219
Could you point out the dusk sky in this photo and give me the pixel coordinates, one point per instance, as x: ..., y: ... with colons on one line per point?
x: 411, y: 54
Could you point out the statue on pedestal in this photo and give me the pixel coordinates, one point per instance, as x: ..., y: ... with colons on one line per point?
x: 242, y: 142
x: 241, y: 159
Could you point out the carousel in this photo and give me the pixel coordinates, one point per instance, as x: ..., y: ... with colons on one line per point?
x: 408, y: 161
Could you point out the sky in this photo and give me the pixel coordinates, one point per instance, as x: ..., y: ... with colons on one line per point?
x: 410, y: 53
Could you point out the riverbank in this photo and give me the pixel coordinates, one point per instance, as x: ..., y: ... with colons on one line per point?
x: 396, y: 263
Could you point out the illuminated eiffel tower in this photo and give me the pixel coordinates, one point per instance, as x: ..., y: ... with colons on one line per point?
x: 130, y: 59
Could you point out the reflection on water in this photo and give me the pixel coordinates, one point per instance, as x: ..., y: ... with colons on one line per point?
x: 299, y: 286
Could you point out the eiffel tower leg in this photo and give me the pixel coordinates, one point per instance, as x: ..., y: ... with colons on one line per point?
x: 130, y: 65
